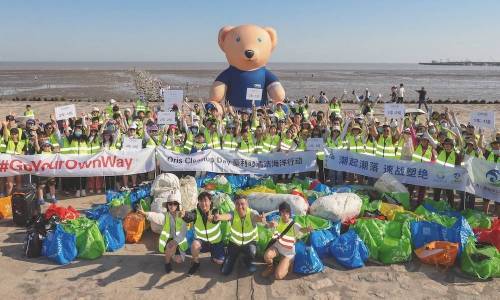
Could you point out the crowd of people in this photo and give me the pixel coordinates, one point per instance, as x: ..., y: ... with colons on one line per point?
x: 436, y: 138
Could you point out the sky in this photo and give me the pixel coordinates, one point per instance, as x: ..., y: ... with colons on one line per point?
x: 308, y: 31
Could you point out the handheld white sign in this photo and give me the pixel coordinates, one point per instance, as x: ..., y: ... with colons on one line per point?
x: 254, y: 94
x: 483, y: 119
x: 394, y: 110
x: 166, y: 117
x: 65, y: 112
x: 171, y: 97
x: 131, y: 144
x: 315, y: 144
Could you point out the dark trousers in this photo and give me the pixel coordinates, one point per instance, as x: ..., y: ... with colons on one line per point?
x: 420, y: 103
x: 321, y: 171
x: 467, y: 201
x: 400, y: 100
x: 249, y: 252
x: 449, y: 195
x: 74, y: 183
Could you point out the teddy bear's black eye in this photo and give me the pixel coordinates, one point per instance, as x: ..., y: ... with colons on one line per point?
x: 237, y: 39
x: 259, y: 40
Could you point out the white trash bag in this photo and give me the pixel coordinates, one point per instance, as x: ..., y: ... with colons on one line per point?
x: 337, y: 207
x: 266, y: 202
x: 387, y: 183
x: 189, y: 193
x: 164, y: 182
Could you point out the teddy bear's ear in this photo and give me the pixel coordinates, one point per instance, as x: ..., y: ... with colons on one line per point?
x: 222, y: 35
x: 273, y: 35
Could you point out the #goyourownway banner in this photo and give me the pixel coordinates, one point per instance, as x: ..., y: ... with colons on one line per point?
x: 423, y: 174
x: 226, y: 161
x: 105, y: 163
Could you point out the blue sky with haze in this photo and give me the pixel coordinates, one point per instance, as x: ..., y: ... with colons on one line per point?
x: 308, y: 31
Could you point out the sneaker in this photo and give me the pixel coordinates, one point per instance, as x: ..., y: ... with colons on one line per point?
x: 77, y: 194
x: 168, y: 268
x: 268, y: 271
x: 84, y: 194
x: 194, y: 268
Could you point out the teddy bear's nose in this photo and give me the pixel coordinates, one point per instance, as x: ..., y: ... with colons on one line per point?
x: 249, y: 53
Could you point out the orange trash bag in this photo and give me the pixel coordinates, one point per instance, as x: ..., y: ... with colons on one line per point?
x: 134, y: 225
x: 438, y: 253
x: 6, y: 207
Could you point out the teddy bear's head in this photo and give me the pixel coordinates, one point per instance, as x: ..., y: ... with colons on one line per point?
x: 247, y: 47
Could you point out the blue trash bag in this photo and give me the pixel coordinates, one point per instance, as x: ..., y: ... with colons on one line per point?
x: 349, y: 250
x: 423, y: 232
x: 59, y: 246
x: 252, y: 181
x: 306, y: 260
x: 449, y: 213
x: 344, y: 189
x: 110, y: 195
x: 321, y: 240
x: 273, y: 216
x: 190, y: 239
x: 112, y: 232
x: 237, y: 182
x: 322, y: 188
x: 96, y: 212
x: 335, y: 229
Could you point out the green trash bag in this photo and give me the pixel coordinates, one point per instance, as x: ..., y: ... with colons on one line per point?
x: 282, y: 188
x: 269, y: 183
x: 89, y: 241
x: 303, y: 184
x: 367, y: 205
x: 388, y: 241
x: 225, y: 205
x: 117, y: 202
x: 265, y: 235
x: 317, y: 223
x: 477, y: 219
x: 126, y: 198
x: 446, y: 221
x: 438, y: 205
x: 404, y: 216
x: 400, y: 198
x: 146, y: 204
x: 481, y: 262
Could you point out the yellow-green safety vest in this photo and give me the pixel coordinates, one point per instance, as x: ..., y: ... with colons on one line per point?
x: 165, y: 234
x: 244, y: 232
x: 209, y: 232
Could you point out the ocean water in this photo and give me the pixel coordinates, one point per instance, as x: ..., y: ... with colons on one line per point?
x: 299, y: 79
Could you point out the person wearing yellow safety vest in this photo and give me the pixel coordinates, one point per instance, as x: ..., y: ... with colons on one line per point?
x: 272, y: 140
x: 355, y: 144
x: 46, y: 149
x: 492, y: 155
x: 259, y: 143
x: 109, y: 108
x: 94, y: 184
x: 53, y: 135
x: 207, y: 231
x: 29, y: 112
x: 246, y: 144
x: 170, y: 140
x: 279, y: 113
x: 131, y: 134
x: 15, y: 145
x: 244, y: 235
x: 287, y: 143
x: 212, y: 136
x: 172, y: 239
x: 385, y: 145
x: 76, y: 143
x: 140, y: 106
x: 230, y: 138
x: 447, y: 157
x: 302, y: 110
x: 334, y: 107
x: 334, y: 141
x: 286, y: 233
x: 423, y: 153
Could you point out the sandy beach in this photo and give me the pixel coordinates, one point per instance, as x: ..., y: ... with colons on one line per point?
x: 137, y: 271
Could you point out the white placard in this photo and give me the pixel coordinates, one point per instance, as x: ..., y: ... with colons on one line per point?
x: 65, y: 112
x: 315, y: 144
x: 254, y: 94
x: 131, y: 144
x: 171, y: 97
x: 483, y: 119
x: 394, y: 110
x: 166, y: 118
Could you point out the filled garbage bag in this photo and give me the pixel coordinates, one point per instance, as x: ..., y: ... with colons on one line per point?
x: 6, y: 207
x: 225, y: 205
x: 145, y: 204
x: 111, y: 195
x: 64, y: 213
x: 89, y: 240
x: 156, y: 220
x: 477, y: 219
x: 389, y: 210
x: 367, y: 205
x: 317, y: 223
x: 189, y: 193
x: 120, y: 211
x: 424, y: 232
x: 404, y: 216
x: 134, y: 225
x: 349, y: 250
x: 306, y: 260
x: 59, y: 246
x: 387, y: 183
x: 96, y: 212
x: 265, y: 235
x: 387, y: 241
x: 490, y: 236
x: 438, y: 253
x: 480, y: 261
x: 442, y: 219
x: 257, y: 189
x: 158, y: 204
x: 264, y: 202
x: 112, y: 232
x: 164, y: 182
x: 321, y: 241
x: 437, y: 205
x: 337, y: 207
x: 399, y: 198
x: 237, y: 182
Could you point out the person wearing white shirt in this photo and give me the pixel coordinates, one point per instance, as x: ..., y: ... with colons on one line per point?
x: 401, y: 93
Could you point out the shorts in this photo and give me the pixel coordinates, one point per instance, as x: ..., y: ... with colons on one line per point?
x: 216, y: 250
x: 288, y: 253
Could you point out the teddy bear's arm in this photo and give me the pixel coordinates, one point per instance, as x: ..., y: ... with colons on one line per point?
x: 276, y: 92
x: 217, y: 94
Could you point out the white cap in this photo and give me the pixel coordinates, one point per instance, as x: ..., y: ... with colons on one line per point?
x: 112, y: 101
x: 133, y: 125
x: 127, y: 109
x: 95, y: 108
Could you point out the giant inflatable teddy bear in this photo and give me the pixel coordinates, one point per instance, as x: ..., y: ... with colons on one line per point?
x: 246, y: 81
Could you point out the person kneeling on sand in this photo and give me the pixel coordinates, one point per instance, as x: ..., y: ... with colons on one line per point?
x: 207, y: 231
x: 173, y: 240
x: 243, y: 235
x: 286, y: 232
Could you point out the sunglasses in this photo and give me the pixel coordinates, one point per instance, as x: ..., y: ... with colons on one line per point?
x: 172, y: 204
